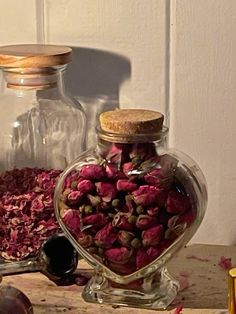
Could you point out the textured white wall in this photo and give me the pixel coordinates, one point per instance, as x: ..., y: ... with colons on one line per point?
x: 122, y: 50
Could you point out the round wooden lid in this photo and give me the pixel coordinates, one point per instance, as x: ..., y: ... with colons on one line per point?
x: 131, y: 121
x: 34, y: 56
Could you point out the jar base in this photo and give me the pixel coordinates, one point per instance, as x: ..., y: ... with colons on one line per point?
x: 155, y: 294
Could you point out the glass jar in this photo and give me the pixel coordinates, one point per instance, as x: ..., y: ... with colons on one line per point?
x: 42, y: 131
x: 128, y: 205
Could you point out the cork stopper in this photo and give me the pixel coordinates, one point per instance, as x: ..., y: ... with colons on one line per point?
x: 131, y: 121
x: 34, y: 56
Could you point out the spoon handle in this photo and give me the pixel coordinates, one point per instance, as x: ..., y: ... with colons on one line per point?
x: 13, y: 268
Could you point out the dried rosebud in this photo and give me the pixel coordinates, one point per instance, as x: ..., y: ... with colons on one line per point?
x: 148, y: 195
x: 85, y: 240
x: 75, y: 197
x: 73, y: 184
x: 124, y: 269
x: 113, y: 173
x: 154, y: 177
x: 153, y: 235
x: 117, y: 153
x: 119, y: 255
x: 71, y: 219
x: 97, y: 220
x: 177, y: 203
x: 145, y: 222
x: 153, y: 252
x: 106, y: 236
x: 153, y: 211
x: 92, y: 172
x: 127, y: 168
x: 85, y: 186
x: 106, y: 190
x: 88, y: 209
x: 142, y: 258
x: 94, y: 200
x: 122, y: 222
x: 125, y: 237
x: 188, y: 217
x: 136, y: 243
x: 125, y: 185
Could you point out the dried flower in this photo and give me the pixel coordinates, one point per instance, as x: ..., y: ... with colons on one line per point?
x: 113, y: 173
x: 97, y: 220
x: 84, y: 239
x: 118, y: 255
x: 125, y: 237
x: 225, y: 262
x: 92, y: 172
x: 106, y: 236
x: 144, y: 222
x: 153, y: 252
x: 153, y: 211
x: 123, y: 269
x: 142, y: 258
x: 177, y: 203
x: 127, y: 168
x: 94, y: 200
x: 148, y: 195
x: 106, y: 190
x: 125, y: 185
x: 71, y: 218
x: 122, y: 222
x: 75, y: 197
x: 153, y: 235
x: 85, y: 186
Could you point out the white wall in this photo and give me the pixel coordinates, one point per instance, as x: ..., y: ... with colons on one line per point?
x: 175, y: 56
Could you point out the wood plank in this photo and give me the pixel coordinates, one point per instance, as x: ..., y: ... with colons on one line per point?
x: 206, y: 294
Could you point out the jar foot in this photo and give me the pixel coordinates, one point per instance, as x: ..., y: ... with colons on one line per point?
x: 154, y: 292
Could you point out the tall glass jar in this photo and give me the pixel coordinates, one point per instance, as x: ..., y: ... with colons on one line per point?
x: 41, y: 131
x: 128, y: 205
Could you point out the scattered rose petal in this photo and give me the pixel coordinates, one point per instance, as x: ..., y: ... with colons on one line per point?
x: 178, y: 310
x: 225, y: 262
x: 199, y: 258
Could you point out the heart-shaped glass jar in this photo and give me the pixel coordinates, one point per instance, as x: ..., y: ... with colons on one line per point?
x: 128, y: 205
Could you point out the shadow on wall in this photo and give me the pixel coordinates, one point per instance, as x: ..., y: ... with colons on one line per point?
x: 94, y: 79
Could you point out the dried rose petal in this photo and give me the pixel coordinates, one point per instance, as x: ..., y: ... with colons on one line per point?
x: 145, y: 222
x: 142, y: 258
x: 85, y: 186
x: 178, y: 310
x: 71, y: 219
x: 153, y: 235
x: 92, y: 172
x: 177, y: 203
x: 119, y: 255
x: 225, y: 262
x: 97, y: 220
x: 148, y: 195
x: 106, y: 236
x: 106, y: 190
x: 126, y: 185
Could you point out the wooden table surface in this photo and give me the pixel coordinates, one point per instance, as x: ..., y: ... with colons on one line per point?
x: 206, y: 291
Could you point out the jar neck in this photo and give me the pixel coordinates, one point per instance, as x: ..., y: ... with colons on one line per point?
x: 34, y: 78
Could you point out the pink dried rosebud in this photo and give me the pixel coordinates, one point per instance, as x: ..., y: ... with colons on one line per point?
x: 154, y: 177
x: 145, y: 222
x: 142, y: 258
x: 177, y: 203
x: 106, y: 236
x: 74, y: 197
x: 85, y: 186
x: 106, y: 190
x: 123, y: 269
x: 153, y: 252
x: 122, y: 223
x: 125, y: 237
x: 94, y: 200
x: 92, y: 172
x: 127, y: 168
x: 153, y: 211
x: 119, y: 255
x: 84, y: 239
x: 148, y: 195
x: 97, y: 220
x: 153, y: 235
x: 71, y: 219
x: 113, y: 173
x: 125, y: 185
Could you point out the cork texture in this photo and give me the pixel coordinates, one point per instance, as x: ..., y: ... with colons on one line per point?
x: 131, y: 121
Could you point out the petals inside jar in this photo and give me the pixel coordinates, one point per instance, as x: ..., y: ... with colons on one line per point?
x: 130, y: 204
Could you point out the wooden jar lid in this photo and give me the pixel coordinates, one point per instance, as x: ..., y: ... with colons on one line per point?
x: 34, y: 56
x: 131, y: 121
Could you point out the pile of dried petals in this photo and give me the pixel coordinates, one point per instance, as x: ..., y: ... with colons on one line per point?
x: 126, y: 208
x: 26, y: 211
